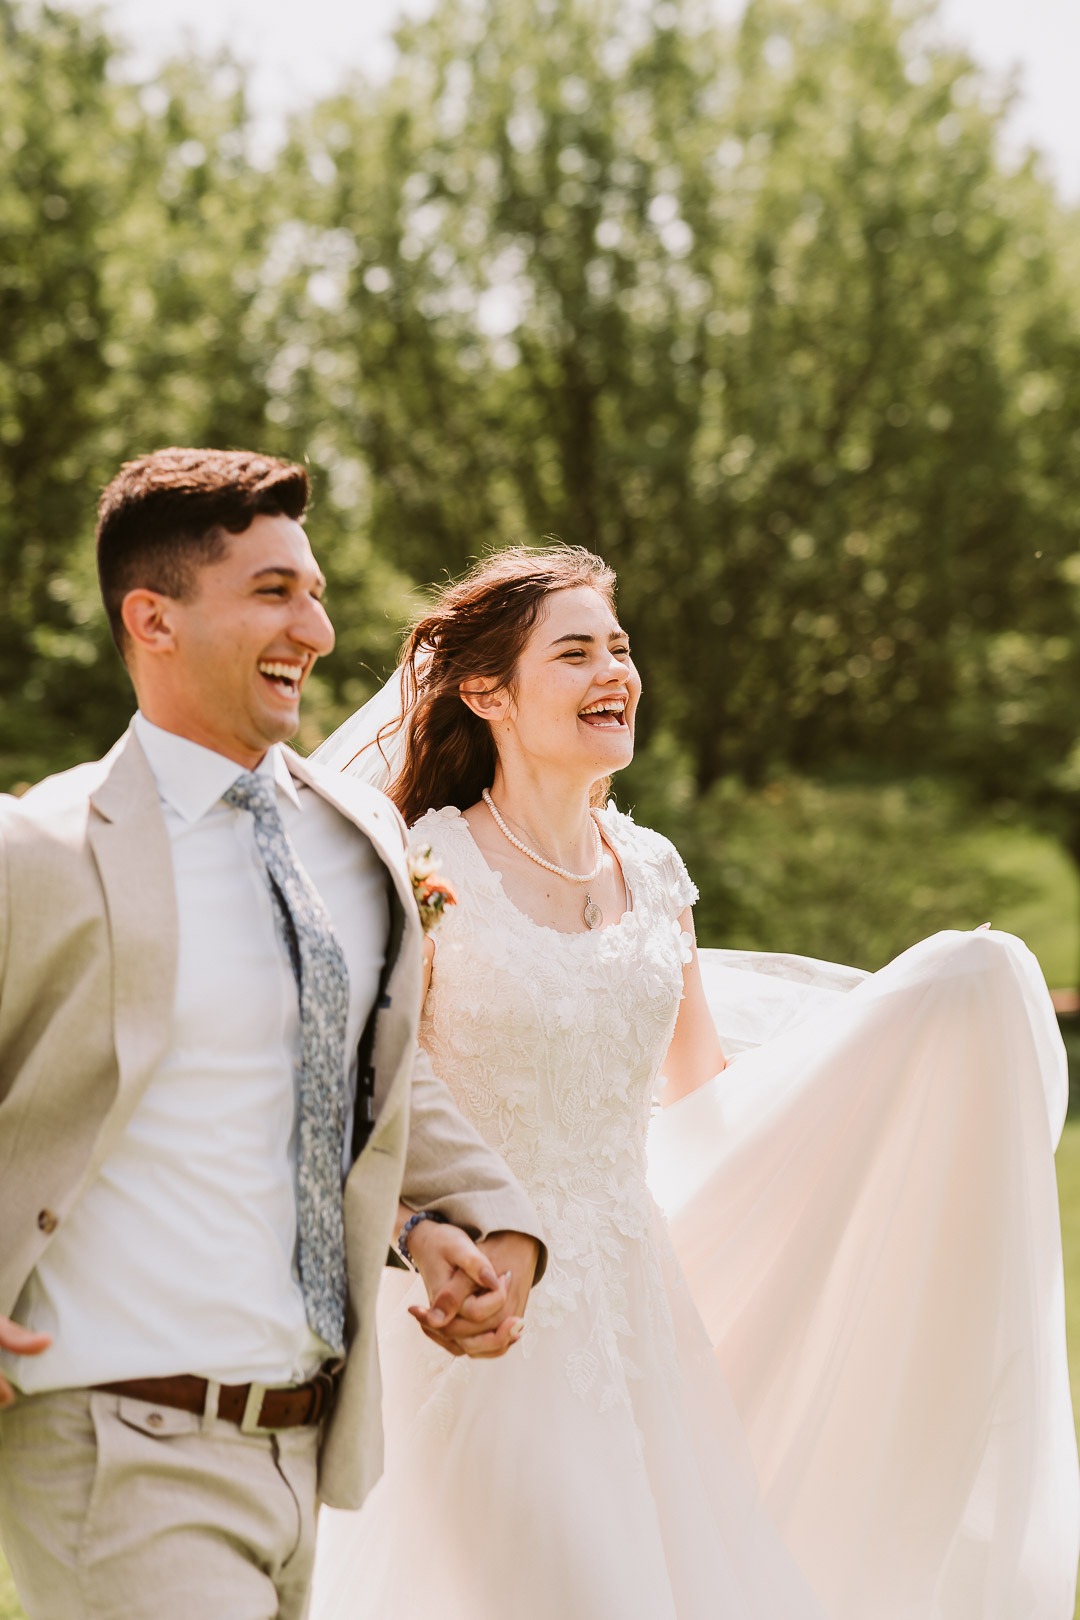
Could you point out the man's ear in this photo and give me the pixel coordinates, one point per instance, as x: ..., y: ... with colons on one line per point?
x: 148, y: 620
x: 487, y: 702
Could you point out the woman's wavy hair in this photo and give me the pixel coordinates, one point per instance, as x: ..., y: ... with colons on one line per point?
x: 477, y: 628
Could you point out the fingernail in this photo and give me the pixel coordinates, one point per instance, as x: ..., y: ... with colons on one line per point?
x: 507, y: 1276
x: 518, y: 1329
x: 436, y: 1318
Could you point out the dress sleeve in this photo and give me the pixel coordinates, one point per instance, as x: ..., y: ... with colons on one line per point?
x: 680, y: 885
x: 667, y: 865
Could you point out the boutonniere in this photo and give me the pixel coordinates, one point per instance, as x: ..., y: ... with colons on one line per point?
x: 431, y: 891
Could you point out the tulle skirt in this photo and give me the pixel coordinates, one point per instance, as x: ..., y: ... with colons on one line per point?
x: 849, y: 1398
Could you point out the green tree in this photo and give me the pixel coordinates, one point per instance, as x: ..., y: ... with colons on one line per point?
x: 139, y: 242
x: 56, y: 185
x: 740, y: 312
x: 759, y: 314
x: 756, y: 312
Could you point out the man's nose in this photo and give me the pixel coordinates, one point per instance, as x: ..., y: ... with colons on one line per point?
x: 312, y: 627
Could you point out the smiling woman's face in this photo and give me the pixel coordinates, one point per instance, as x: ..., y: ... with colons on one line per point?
x: 576, y: 690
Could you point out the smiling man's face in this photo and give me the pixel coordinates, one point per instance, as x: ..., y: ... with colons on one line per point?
x: 229, y: 666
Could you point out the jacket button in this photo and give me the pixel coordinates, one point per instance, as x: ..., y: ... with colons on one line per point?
x: 47, y: 1221
x: 154, y: 1420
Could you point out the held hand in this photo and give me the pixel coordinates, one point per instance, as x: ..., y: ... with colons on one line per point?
x: 485, y: 1325
x: 453, y: 1269
x: 21, y: 1342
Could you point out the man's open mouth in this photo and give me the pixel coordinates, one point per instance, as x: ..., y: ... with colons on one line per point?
x: 285, y: 677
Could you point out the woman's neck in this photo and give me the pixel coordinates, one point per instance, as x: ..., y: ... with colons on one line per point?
x: 551, y: 815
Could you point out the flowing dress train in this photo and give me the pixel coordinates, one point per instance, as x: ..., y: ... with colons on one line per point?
x: 846, y: 1399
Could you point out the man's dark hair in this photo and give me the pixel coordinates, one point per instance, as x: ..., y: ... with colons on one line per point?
x: 167, y: 515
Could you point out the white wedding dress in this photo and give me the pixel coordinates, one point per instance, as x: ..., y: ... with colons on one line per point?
x: 849, y: 1402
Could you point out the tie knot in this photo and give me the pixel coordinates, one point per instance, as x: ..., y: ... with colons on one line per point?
x: 254, y: 793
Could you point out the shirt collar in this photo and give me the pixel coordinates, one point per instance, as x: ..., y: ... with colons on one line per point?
x: 192, y: 778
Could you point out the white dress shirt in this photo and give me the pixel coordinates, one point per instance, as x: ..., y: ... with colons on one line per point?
x: 180, y: 1255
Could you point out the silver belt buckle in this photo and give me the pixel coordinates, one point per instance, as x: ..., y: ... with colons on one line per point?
x: 249, y: 1423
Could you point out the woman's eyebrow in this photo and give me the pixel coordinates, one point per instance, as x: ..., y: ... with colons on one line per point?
x: 616, y: 635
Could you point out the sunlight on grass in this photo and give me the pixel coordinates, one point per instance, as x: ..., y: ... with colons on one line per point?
x: 10, y: 1608
x: 1049, y: 920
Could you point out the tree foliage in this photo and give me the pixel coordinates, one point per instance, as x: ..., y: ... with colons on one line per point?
x: 757, y: 312
x: 761, y: 319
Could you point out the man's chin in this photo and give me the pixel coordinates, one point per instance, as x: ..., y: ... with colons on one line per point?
x: 279, y: 726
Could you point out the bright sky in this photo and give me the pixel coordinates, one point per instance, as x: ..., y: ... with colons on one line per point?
x: 299, y: 48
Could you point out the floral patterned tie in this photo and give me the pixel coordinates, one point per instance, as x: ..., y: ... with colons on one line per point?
x: 323, y: 983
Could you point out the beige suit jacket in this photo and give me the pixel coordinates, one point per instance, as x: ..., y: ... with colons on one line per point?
x: 88, y: 945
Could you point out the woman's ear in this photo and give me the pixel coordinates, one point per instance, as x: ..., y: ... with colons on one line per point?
x: 486, y: 701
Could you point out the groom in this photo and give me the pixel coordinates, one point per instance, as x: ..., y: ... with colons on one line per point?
x: 211, y: 1098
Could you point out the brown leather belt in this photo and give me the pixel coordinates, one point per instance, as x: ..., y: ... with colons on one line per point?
x: 256, y: 1408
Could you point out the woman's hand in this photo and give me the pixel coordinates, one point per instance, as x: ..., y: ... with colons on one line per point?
x: 477, y: 1293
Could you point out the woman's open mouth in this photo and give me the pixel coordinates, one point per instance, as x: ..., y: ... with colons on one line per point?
x: 607, y: 715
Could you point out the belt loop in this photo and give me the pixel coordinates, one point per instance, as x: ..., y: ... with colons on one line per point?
x: 210, y: 1410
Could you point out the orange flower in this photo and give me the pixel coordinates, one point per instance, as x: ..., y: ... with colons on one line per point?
x: 431, y: 892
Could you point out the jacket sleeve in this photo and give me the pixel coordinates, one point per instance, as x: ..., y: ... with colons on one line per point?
x: 449, y: 1167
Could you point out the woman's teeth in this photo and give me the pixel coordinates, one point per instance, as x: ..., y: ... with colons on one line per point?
x: 606, y: 716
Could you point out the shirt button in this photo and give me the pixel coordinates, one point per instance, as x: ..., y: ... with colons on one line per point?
x: 47, y: 1221
x: 154, y: 1420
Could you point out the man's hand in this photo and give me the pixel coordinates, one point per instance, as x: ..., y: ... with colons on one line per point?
x: 481, y: 1321
x: 20, y: 1342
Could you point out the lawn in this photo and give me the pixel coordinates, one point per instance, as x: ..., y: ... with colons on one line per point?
x: 1049, y: 917
x: 9, y: 1603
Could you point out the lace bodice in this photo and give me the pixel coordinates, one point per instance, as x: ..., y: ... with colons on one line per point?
x: 551, y: 1044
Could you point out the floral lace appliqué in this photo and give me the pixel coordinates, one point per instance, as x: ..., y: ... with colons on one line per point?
x: 551, y: 1044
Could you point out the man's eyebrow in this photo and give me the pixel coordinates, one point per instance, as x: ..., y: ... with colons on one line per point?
x: 284, y: 572
x: 616, y: 635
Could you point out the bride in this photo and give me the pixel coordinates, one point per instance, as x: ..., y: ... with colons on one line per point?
x: 834, y: 1387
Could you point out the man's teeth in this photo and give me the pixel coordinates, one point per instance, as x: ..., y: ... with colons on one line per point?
x: 282, y: 672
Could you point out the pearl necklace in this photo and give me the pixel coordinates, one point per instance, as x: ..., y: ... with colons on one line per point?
x: 591, y: 914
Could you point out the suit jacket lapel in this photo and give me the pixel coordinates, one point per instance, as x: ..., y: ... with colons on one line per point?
x: 376, y: 818
x: 130, y: 845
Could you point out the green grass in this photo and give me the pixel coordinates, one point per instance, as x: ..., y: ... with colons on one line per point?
x: 10, y: 1608
x: 1049, y: 918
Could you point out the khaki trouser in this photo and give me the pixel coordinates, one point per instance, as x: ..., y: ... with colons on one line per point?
x: 115, y: 1509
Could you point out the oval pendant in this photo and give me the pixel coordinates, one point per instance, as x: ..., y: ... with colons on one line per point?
x: 592, y: 916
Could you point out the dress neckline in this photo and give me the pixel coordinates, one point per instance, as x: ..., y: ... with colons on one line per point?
x: 630, y: 912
